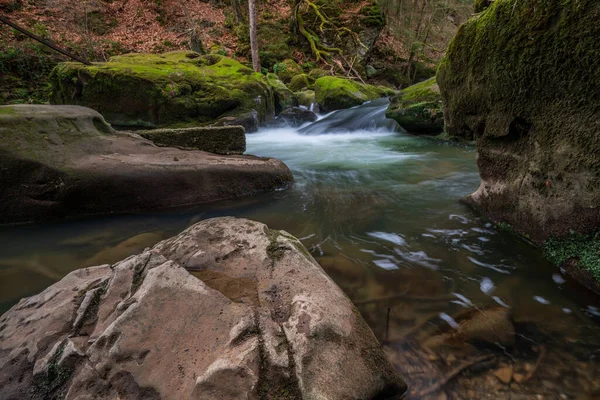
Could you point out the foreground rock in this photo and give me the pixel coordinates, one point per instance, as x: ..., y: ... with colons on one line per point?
x: 333, y: 93
x: 229, y: 309
x: 153, y: 90
x: 214, y: 139
x: 523, y: 78
x: 418, y: 108
x: 58, y: 161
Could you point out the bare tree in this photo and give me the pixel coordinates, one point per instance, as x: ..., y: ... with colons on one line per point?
x: 253, y: 40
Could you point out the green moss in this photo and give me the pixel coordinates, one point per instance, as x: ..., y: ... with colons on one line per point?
x: 585, y: 248
x: 418, y: 108
x: 287, y: 69
x: 159, y: 90
x: 274, y: 250
x: 300, y: 82
x: 306, y: 98
x: 334, y: 93
x: 6, y: 110
x: 319, y: 73
x: 50, y: 384
x: 283, y: 96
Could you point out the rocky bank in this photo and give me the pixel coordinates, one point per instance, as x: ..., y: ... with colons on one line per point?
x: 58, y: 161
x: 523, y: 79
x: 228, y: 309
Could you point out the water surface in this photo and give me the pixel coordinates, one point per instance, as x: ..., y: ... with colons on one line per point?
x: 379, y: 210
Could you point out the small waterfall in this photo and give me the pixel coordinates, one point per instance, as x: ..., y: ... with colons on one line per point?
x: 369, y: 116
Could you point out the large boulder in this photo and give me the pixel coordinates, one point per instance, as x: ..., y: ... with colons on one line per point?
x: 418, y: 108
x: 523, y: 78
x: 66, y: 160
x: 228, y: 309
x: 334, y: 93
x: 152, y: 90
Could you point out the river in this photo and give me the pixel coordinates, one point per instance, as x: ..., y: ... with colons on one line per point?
x: 379, y: 209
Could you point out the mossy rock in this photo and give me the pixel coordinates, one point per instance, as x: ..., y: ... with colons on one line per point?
x: 418, y: 108
x: 333, y: 93
x: 523, y: 79
x: 283, y: 96
x: 306, y: 98
x: 287, y: 69
x: 152, y: 90
x: 302, y: 81
x: 481, y: 5
x: 319, y: 73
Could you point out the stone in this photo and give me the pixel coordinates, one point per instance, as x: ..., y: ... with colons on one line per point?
x: 295, y: 117
x: 230, y: 139
x: 489, y: 326
x: 301, y: 82
x: 249, y: 121
x: 58, y: 161
x: 504, y: 374
x: 332, y: 93
x: 530, y: 96
x: 287, y: 69
x: 173, y: 323
x: 307, y: 99
x: 284, y: 97
x: 418, y: 108
x: 159, y: 90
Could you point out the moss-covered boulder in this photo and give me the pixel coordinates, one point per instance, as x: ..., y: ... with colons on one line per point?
x: 154, y: 90
x: 287, y: 69
x: 523, y: 78
x: 319, y: 73
x: 284, y: 98
x: 418, y: 108
x: 334, y: 93
x: 306, y: 98
x: 301, y: 81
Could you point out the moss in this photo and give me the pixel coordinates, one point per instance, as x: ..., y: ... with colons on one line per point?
x: 319, y: 73
x: 418, y: 108
x: 334, y: 93
x: 6, y: 110
x: 300, y: 82
x: 159, y: 90
x: 283, y: 96
x: 306, y: 98
x: 274, y: 250
x: 287, y: 69
x: 51, y: 383
x: 584, y: 248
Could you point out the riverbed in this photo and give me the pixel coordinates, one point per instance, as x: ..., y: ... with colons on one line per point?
x: 379, y: 209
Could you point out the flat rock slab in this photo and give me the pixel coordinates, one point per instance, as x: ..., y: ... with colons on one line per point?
x: 228, y: 309
x: 214, y: 139
x: 58, y: 161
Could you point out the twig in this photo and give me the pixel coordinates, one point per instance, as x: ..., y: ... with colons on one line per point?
x: 404, y: 296
x: 531, y: 373
x: 451, y: 375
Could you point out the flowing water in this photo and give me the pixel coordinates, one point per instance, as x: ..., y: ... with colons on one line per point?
x: 379, y: 210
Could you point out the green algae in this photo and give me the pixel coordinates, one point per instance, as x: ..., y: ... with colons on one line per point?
x: 584, y: 248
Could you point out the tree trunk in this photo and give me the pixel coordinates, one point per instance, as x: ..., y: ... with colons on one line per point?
x: 253, y: 41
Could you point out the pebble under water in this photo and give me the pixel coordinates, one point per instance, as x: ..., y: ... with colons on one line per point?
x: 379, y: 211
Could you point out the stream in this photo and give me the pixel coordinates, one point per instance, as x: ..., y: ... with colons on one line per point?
x: 379, y: 210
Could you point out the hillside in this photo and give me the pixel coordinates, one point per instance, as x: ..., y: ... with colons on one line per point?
x: 388, y: 42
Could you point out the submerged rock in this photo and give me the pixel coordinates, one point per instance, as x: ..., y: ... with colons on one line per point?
x: 214, y: 139
x: 58, y: 161
x: 418, y: 108
x: 228, y: 309
x: 333, y: 93
x: 154, y: 90
x: 523, y: 78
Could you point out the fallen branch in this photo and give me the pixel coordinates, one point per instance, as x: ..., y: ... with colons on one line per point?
x: 451, y: 375
x: 531, y: 373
